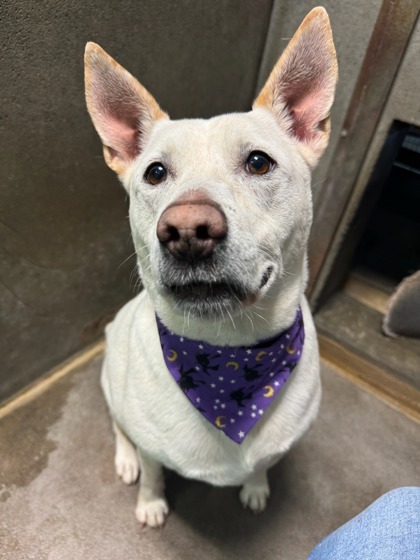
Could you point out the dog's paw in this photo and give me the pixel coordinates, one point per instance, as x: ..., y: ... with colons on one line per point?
x: 127, y: 464
x: 255, y: 497
x: 152, y: 513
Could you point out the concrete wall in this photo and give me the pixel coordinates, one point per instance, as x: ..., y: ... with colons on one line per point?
x: 63, y: 217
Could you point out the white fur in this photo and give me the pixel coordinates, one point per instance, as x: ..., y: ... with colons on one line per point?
x: 274, y: 219
x: 150, y: 408
x: 268, y: 221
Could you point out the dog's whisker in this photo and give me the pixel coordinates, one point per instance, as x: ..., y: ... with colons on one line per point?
x: 125, y: 260
x: 250, y: 320
x: 261, y: 317
x: 231, y: 318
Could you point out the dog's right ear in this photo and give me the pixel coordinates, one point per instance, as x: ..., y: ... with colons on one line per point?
x: 121, y: 109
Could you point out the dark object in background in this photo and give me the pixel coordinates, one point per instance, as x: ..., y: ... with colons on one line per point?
x: 403, y: 313
x: 390, y: 245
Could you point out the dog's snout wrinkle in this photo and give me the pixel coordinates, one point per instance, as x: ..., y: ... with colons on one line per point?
x: 191, y: 228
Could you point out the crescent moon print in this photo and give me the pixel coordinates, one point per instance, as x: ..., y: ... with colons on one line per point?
x: 235, y: 365
x: 289, y: 350
x: 269, y: 392
x: 219, y: 422
x: 172, y: 357
x: 259, y: 356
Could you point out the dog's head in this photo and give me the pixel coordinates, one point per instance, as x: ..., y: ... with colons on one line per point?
x: 220, y: 209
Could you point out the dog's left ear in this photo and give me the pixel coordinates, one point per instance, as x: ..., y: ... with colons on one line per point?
x: 300, y: 89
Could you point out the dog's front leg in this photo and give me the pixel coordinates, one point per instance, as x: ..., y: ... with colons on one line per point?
x: 255, y: 492
x: 152, y: 507
x: 126, y: 459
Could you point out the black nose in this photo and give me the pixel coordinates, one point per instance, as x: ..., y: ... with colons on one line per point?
x: 192, y: 227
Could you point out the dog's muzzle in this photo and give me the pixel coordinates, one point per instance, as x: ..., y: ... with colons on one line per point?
x: 191, y: 232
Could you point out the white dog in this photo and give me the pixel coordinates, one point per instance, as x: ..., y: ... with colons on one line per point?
x: 211, y: 371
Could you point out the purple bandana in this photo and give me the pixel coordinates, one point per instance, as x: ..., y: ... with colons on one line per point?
x: 232, y: 387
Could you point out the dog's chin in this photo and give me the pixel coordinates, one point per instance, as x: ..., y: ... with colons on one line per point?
x: 210, y: 300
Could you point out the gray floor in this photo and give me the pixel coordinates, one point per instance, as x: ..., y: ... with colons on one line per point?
x: 60, y: 499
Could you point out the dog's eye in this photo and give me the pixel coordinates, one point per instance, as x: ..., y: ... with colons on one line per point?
x: 155, y: 173
x: 259, y: 163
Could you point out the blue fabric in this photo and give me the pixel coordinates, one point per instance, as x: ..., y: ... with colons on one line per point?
x: 389, y: 529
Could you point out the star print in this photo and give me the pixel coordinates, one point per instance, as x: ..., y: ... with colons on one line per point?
x: 272, y: 374
x: 212, y: 385
x: 298, y: 352
x: 283, y: 363
x: 222, y: 390
x: 276, y: 383
x: 215, y: 407
x: 197, y: 368
x: 245, y: 359
x: 287, y: 335
x: 233, y: 381
x: 184, y: 352
x: 254, y: 407
x: 201, y: 346
x: 232, y: 420
x: 249, y: 351
x: 270, y: 354
x: 261, y: 411
x: 223, y: 405
x: 253, y: 415
x: 221, y: 378
x: 241, y: 434
x: 282, y: 346
x: 219, y: 351
x: 217, y: 401
x: 198, y: 399
x: 181, y: 339
x: 233, y: 355
x: 273, y: 360
x: 240, y: 413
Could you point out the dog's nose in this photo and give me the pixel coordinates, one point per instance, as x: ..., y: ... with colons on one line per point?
x: 191, y: 227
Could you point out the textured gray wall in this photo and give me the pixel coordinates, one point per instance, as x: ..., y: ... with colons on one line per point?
x: 63, y: 226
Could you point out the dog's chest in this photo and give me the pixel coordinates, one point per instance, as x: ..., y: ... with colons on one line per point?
x: 160, y: 420
x: 155, y: 413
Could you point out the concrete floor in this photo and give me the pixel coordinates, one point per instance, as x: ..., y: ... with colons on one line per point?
x: 60, y: 498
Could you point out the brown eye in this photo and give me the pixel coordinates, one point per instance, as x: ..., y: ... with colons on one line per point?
x: 155, y: 174
x: 259, y: 163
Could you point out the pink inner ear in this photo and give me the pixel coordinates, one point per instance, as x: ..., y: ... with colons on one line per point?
x: 307, y: 114
x: 122, y: 138
x: 116, y: 107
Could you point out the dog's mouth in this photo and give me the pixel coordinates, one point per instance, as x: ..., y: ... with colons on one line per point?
x: 266, y: 277
x: 206, y: 291
x: 211, y: 299
x: 208, y: 299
